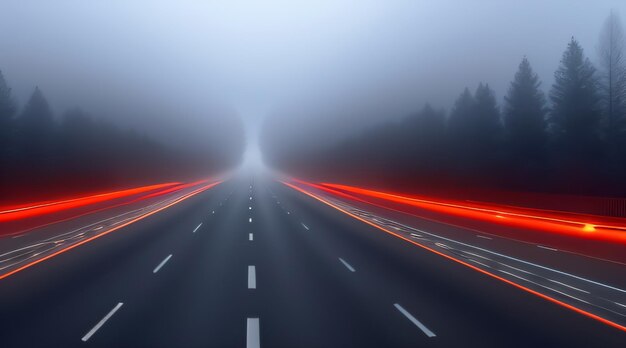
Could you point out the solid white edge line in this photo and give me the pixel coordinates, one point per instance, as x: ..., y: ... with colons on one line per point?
x: 305, y: 226
x: 251, y: 277
x: 162, y: 263
x: 101, y: 322
x: 513, y: 258
x: 417, y: 323
x: 350, y: 268
x: 252, y: 333
x: 483, y: 237
x: 547, y: 248
x: 197, y: 227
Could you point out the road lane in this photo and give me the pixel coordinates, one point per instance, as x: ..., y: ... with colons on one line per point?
x: 453, y: 293
x: 327, y: 280
x: 61, y: 298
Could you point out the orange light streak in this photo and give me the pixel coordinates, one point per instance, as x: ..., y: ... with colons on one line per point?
x: 23, y: 212
x: 545, y: 221
x: 49, y: 256
x: 480, y: 270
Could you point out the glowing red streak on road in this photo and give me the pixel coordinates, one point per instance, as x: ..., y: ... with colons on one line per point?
x: 536, y: 293
x: 49, y: 256
x: 23, y: 212
x: 553, y: 222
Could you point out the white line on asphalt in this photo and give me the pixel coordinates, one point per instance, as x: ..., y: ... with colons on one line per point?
x: 250, y: 198
x: 547, y: 248
x: 249, y: 208
x: 98, y: 228
x: 213, y: 212
x: 250, y: 236
x: 252, y: 333
x: 483, y: 237
x: 101, y: 322
x: 287, y: 212
x: 518, y: 269
x: 543, y: 286
x: 480, y: 263
x: 197, y: 227
x: 350, y: 268
x: 162, y: 263
x: 305, y: 226
x: 417, y: 323
x: 19, y: 235
x: 619, y: 304
x: 514, y: 258
x: 249, y: 219
x: 251, y: 277
x: 569, y: 286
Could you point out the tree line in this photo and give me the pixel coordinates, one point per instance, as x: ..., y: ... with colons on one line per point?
x: 42, y: 156
x: 572, y: 140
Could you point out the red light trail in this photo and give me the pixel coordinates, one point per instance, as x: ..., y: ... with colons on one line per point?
x: 575, y: 225
x: 49, y: 207
x: 115, y: 228
x: 480, y: 270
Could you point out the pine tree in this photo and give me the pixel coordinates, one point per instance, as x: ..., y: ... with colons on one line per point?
x: 575, y: 115
x: 525, y: 117
x: 35, y: 131
x: 487, y: 124
x: 459, y: 123
x: 474, y: 131
x: 7, y: 110
x: 575, y: 122
x: 612, y: 50
x: 613, y: 74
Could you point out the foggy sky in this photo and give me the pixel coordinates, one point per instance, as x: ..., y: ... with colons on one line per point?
x: 176, y: 66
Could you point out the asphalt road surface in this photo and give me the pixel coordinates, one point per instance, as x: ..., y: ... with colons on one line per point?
x: 254, y: 263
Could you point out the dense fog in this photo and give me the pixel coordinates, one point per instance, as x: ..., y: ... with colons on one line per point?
x: 299, y: 86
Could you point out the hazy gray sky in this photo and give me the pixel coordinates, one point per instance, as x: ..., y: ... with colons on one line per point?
x: 179, y: 62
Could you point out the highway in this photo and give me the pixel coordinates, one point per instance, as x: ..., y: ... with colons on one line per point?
x: 253, y: 262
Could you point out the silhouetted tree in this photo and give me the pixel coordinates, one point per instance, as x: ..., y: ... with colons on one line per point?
x: 487, y: 118
x: 575, y: 116
x: 7, y: 127
x: 474, y: 132
x: 35, y: 133
x: 461, y: 115
x: 612, y: 50
x: 525, y: 124
x: 7, y: 109
x: 42, y: 157
x: 613, y: 73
